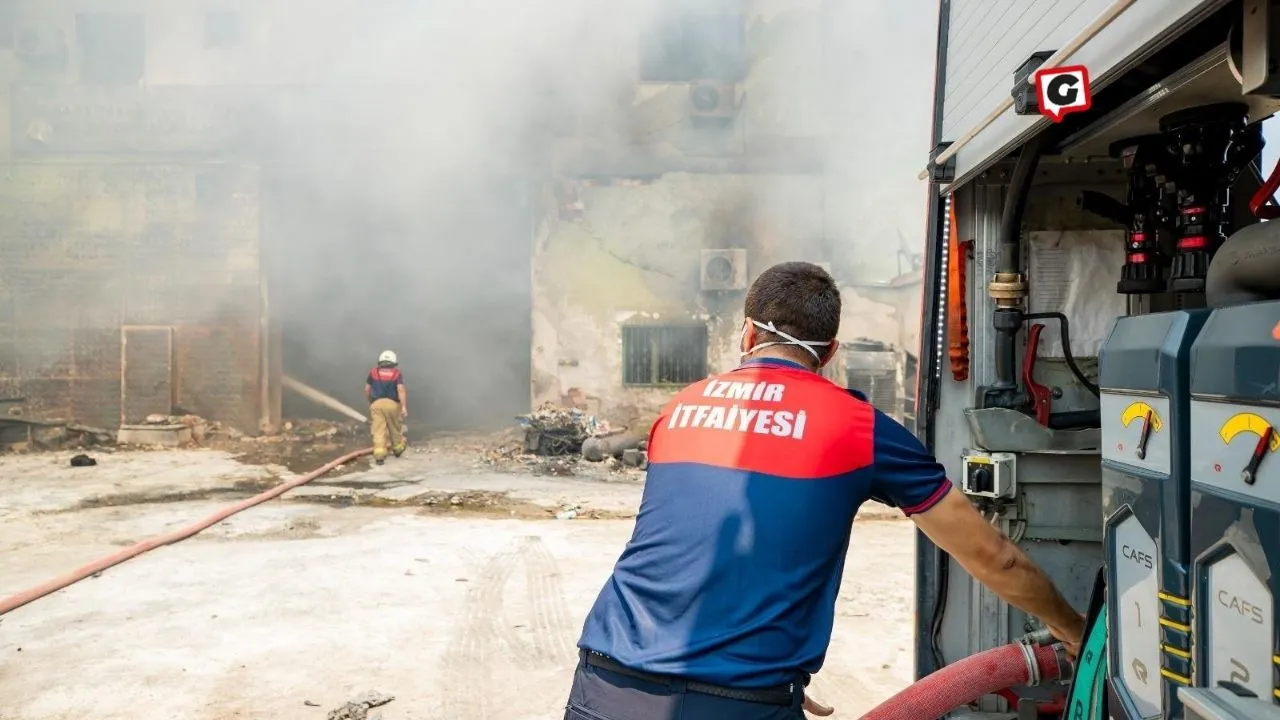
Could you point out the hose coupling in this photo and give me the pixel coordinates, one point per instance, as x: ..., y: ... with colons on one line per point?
x: 1033, y: 666
x: 1039, y: 637
x: 1066, y: 665
x: 1007, y: 289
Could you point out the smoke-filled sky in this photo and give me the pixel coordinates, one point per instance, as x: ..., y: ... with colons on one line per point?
x: 400, y: 190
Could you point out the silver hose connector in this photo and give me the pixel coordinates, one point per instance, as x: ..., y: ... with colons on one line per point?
x: 1033, y: 667
x: 1066, y: 666
x: 1039, y: 637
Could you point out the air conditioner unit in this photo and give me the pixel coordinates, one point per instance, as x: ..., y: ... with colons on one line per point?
x: 713, y: 101
x: 39, y: 42
x: 724, y: 269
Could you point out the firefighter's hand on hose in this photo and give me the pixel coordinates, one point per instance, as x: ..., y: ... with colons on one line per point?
x: 1070, y: 636
x: 813, y: 707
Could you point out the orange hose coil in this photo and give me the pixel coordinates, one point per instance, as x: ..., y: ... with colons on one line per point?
x: 957, y: 310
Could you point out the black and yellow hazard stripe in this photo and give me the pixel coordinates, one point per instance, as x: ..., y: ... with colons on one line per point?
x: 1175, y: 638
x: 1276, y: 659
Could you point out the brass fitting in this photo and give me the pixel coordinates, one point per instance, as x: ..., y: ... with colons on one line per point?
x: 1007, y: 289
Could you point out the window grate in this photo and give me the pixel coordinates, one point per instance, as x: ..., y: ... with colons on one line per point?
x: 664, y: 354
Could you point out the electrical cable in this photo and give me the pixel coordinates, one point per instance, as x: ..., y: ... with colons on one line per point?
x: 1064, y: 332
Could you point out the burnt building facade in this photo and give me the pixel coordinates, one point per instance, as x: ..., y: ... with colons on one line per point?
x: 198, y: 200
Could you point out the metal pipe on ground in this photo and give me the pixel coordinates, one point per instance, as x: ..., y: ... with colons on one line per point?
x: 320, y: 398
x: 596, y: 449
x: 17, y: 600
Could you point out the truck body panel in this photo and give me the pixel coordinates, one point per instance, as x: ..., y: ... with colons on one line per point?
x: 1075, y: 228
x: 987, y: 40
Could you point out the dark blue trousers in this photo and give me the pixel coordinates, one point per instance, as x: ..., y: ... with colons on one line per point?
x: 598, y: 694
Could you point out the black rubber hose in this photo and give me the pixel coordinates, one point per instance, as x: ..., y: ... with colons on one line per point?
x: 1075, y: 420
x: 1007, y: 322
x: 1015, y: 204
x: 1064, y: 332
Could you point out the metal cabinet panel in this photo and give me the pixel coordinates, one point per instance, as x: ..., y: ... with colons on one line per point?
x: 988, y: 39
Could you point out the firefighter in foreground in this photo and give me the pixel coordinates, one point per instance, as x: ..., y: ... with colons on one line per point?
x: 722, y: 604
x: 388, y: 406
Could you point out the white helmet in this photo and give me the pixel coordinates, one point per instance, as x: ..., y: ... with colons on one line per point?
x: 387, y: 356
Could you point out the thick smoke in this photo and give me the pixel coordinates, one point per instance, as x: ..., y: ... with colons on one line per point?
x: 403, y: 158
x: 401, y: 189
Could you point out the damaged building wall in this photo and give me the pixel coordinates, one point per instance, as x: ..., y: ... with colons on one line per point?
x: 321, y: 108
x: 130, y: 281
x: 631, y: 254
x: 96, y: 253
x: 731, y: 155
x: 723, y: 150
x: 632, y: 257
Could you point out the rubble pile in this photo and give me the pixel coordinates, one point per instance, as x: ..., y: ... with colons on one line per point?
x: 358, y: 708
x: 200, y: 428
x: 502, y: 454
x: 19, y: 435
x: 317, y: 430
x: 555, y: 431
x: 555, y: 440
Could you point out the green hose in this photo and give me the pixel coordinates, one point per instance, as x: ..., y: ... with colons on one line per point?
x: 1088, y: 690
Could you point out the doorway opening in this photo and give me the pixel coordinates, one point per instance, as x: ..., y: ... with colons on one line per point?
x: 368, y: 256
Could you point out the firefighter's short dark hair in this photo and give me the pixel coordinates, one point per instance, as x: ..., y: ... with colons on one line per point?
x: 799, y: 298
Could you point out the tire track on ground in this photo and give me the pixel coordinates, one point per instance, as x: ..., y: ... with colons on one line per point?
x: 549, y: 643
x: 468, y: 671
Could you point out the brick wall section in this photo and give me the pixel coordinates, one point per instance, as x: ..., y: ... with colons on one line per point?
x: 147, y: 386
x: 95, y: 393
x: 219, y: 376
x: 87, y: 248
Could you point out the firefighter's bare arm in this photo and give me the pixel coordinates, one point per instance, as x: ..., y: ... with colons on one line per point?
x: 404, y: 399
x: 368, y: 392
x: 995, y: 561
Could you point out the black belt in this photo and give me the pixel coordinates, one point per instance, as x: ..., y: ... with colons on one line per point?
x: 783, y: 695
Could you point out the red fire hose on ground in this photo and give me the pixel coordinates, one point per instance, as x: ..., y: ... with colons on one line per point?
x: 960, y: 683
x: 17, y: 600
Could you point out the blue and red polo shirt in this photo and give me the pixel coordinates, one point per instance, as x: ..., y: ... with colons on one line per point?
x: 732, y: 571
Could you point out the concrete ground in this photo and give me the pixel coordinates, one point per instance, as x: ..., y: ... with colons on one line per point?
x: 452, y: 587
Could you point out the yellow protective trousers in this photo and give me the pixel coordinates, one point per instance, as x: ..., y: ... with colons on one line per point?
x: 388, y: 427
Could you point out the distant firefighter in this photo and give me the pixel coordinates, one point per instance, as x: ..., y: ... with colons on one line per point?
x: 388, y: 406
